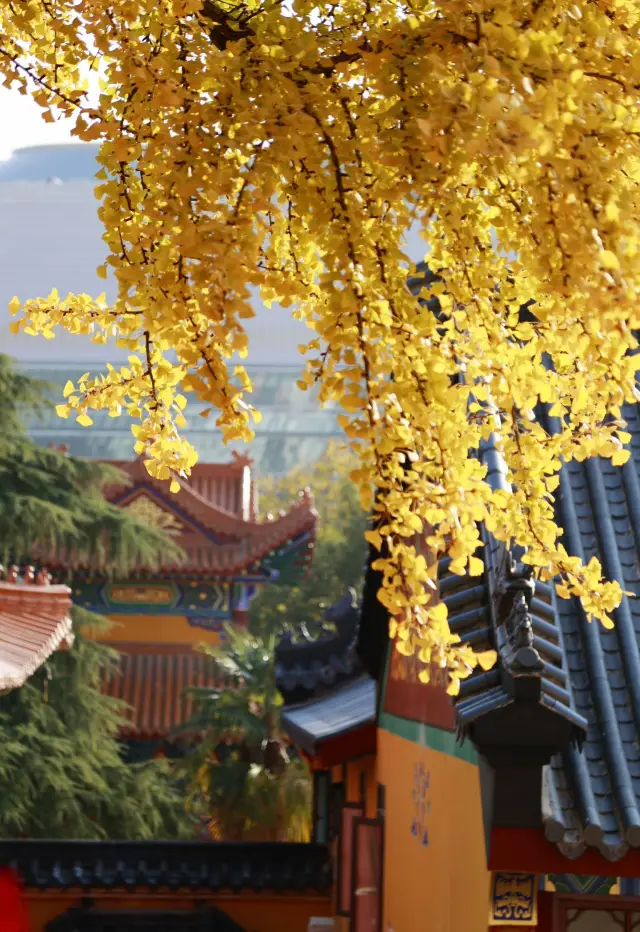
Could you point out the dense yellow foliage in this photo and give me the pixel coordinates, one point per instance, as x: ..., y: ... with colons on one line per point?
x: 288, y: 146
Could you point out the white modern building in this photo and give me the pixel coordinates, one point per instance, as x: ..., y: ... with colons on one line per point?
x: 50, y: 236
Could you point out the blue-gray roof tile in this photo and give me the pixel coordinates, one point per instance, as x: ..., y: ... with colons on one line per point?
x: 596, y: 793
x: 333, y: 715
x: 589, y: 675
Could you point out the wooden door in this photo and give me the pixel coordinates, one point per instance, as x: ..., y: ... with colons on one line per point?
x: 367, y: 874
x: 350, y: 812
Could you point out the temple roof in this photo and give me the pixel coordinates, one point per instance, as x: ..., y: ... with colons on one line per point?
x: 306, y: 669
x: 344, y: 710
x: 329, y: 698
x: 586, y: 673
x: 594, y: 796
x: 213, y: 520
x: 221, y: 495
x: 521, y: 625
x: 153, y: 682
x: 35, y: 620
x: 190, y: 866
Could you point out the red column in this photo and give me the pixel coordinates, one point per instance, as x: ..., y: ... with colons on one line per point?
x: 545, y: 911
x: 13, y: 915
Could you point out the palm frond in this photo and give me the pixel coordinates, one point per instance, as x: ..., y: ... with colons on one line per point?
x: 240, y: 772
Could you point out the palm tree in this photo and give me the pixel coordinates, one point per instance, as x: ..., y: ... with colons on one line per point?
x: 245, y: 781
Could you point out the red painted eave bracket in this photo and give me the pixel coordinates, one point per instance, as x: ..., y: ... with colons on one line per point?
x: 526, y: 850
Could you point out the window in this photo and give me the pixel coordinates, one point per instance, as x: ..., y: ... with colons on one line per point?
x: 335, y: 813
x: 595, y: 920
x: 597, y: 914
x: 350, y: 812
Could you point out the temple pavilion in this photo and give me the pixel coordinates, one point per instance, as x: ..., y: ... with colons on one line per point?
x: 160, y: 614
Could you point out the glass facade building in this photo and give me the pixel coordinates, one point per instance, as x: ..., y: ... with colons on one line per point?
x: 294, y: 429
x: 50, y: 236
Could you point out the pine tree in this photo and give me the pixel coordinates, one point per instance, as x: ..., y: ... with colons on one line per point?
x: 55, y: 500
x: 62, y: 773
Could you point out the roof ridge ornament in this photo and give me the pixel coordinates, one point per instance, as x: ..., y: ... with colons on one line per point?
x: 513, y: 594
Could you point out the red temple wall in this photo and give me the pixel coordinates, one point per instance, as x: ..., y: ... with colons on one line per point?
x: 254, y: 912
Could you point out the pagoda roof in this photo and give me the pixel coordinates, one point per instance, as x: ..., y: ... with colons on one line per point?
x: 35, y: 620
x: 153, y: 680
x: 221, y: 496
x: 213, y: 519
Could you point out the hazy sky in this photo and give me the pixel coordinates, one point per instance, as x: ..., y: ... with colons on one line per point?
x: 22, y: 125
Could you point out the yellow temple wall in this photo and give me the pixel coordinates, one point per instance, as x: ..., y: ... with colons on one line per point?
x: 156, y: 629
x: 442, y: 886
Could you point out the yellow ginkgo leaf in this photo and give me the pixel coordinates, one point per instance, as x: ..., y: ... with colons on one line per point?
x: 620, y: 457
x: 453, y: 688
x: 487, y: 659
x: 476, y: 566
x: 267, y: 155
x: 609, y: 260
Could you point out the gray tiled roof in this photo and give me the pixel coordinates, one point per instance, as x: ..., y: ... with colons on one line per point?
x: 336, y: 714
x: 173, y: 865
x: 534, y: 656
x: 529, y: 683
x: 586, y: 675
x: 307, y: 668
x: 593, y: 797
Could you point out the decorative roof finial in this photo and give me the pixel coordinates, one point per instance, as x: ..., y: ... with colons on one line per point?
x: 43, y: 577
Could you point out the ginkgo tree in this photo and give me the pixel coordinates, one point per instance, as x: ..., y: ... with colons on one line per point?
x: 288, y: 147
